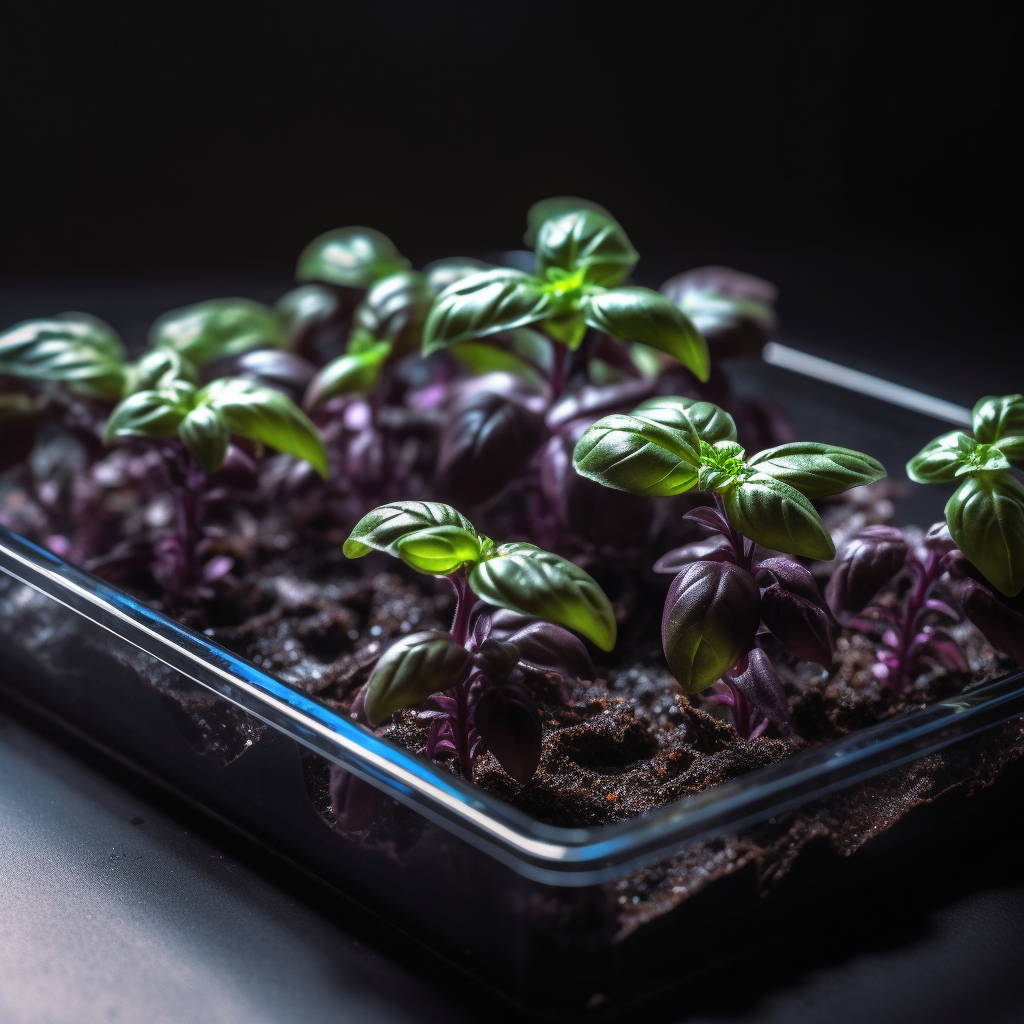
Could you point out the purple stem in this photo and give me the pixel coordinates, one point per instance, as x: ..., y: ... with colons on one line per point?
x: 188, y: 481
x: 907, y: 628
x: 463, y: 724
x: 559, y: 354
x: 743, y: 549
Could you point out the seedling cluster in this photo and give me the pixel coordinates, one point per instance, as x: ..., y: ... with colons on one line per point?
x: 574, y: 411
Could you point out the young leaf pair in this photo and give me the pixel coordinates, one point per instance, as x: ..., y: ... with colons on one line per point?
x: 721, y: 599
x: 583, y: 259
x: 985, y: 515
x: 473, y: 678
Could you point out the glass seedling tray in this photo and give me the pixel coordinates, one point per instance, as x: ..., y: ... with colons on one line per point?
x: 535, y: 910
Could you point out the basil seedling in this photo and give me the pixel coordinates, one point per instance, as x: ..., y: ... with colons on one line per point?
x: 721, y: 597
x: 194, y: 429
x: 473, y: 685
x: 985, y: 515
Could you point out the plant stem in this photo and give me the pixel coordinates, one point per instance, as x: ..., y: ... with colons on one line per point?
x: 925, y: 572
x: 188, y: 481
x: 743, y: 550
x: 559, y: 354
x: 464, y: 603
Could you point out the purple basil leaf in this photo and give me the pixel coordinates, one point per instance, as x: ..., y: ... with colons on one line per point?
x: 505, y: 622
x: 486, y: 441
x: 283, y: 371
x: 870, y: 559
x: 715, y: 549
x: 944, y: 609
x: 945, y: 648
x: 546, y: 648
x: 1000, y: 621
x: 938, y: 539
x: 509, y: 726
x: 763, y: 689
x: 595, y: 513
x: 497, y: 659
x: 355, y: 802
x: 804, y: 627
x: 711, y: 616
x: 481, y: 628
x: 239, y: 470
x: 709, y: 517
x: 592, y: 401
x: 791, y: 576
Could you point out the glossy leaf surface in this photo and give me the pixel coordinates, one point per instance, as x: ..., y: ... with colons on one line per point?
x: 439, y: 550
x: 640, y: 455
x: 483, y: 304
x: 938, y: 461
x: 353, y: 257
x: 986, y: 520
x: 804, y: 627
x: 710, y: 619
x: 761, y: 686
x: 995, y: 418
x: 395, y: 310
x: 381, y: 529
x: 817, y: 470
x: 160, y: 367
x: 74, y: 348
x: 643, y: 316
x: 205, y: 434
x: 156, y: 413
x: 442, y: 274
x: 219, y: 329
x: 709, y: 422
x: 412, y: 669
x: 267, y: 416
x: 869, y: 561
x: 775, y: 515
x: 553, y: 208
x: 550, y: 649
x: 586, y: 241
x: 352, y: 373
x: 526, y: 579
x: 1000, y: 621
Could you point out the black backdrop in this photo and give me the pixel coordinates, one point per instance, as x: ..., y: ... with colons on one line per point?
x: 158, y: 139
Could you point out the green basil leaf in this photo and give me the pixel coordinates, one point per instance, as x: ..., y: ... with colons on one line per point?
x: 711, y: 616
x: 395, y: 310
x: 938, y: 461
x: 817, y: 470
x: 158, y: 368
x: 353, y: 373
x: 75, y: 349
x: 411, y: 670
x: 155, y: 413
x: 775, y: 515
x: 996, y: 418
x: 439, y: 550
x: 522, y: 352
x: 986, y: 521
x: 569, y: 328
x: 528, y: 580
x: 710, y: 423
x: 483, y: 304
x: 639, y: 455
x: 1011, y: 448
x: 219, y: 329
x: 205, y: 434
x: 586, y: 241
x: 642, y: 315
x: 384, y: 526
x: 552, y: 209
x: 265, y: 415
x: 350, y: 257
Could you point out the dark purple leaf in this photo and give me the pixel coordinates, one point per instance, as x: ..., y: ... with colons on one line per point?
x: 869, y: 561
x: 791, y: 576
x: 804, y: 627
x: 482, y: 624
x: 18, y: 425
x: 126, y: 559
x: 505, y: 622
x: 1001, y: 620
x: 711, y: 616
x: 715, y: 549
x: 355, y: 802
x: 709, y: 517
x: 592, y: 401
x: 283, y: 371
x: 366, y: 460
x: 762, y: 688
x: 595, y: 513
x: 510, y: 728
x: 485, y: 442
x: 239, y: 470
x: 496, y: 659
x: 938, y: 539
x: 938, y: 643
x: 546, y: 648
